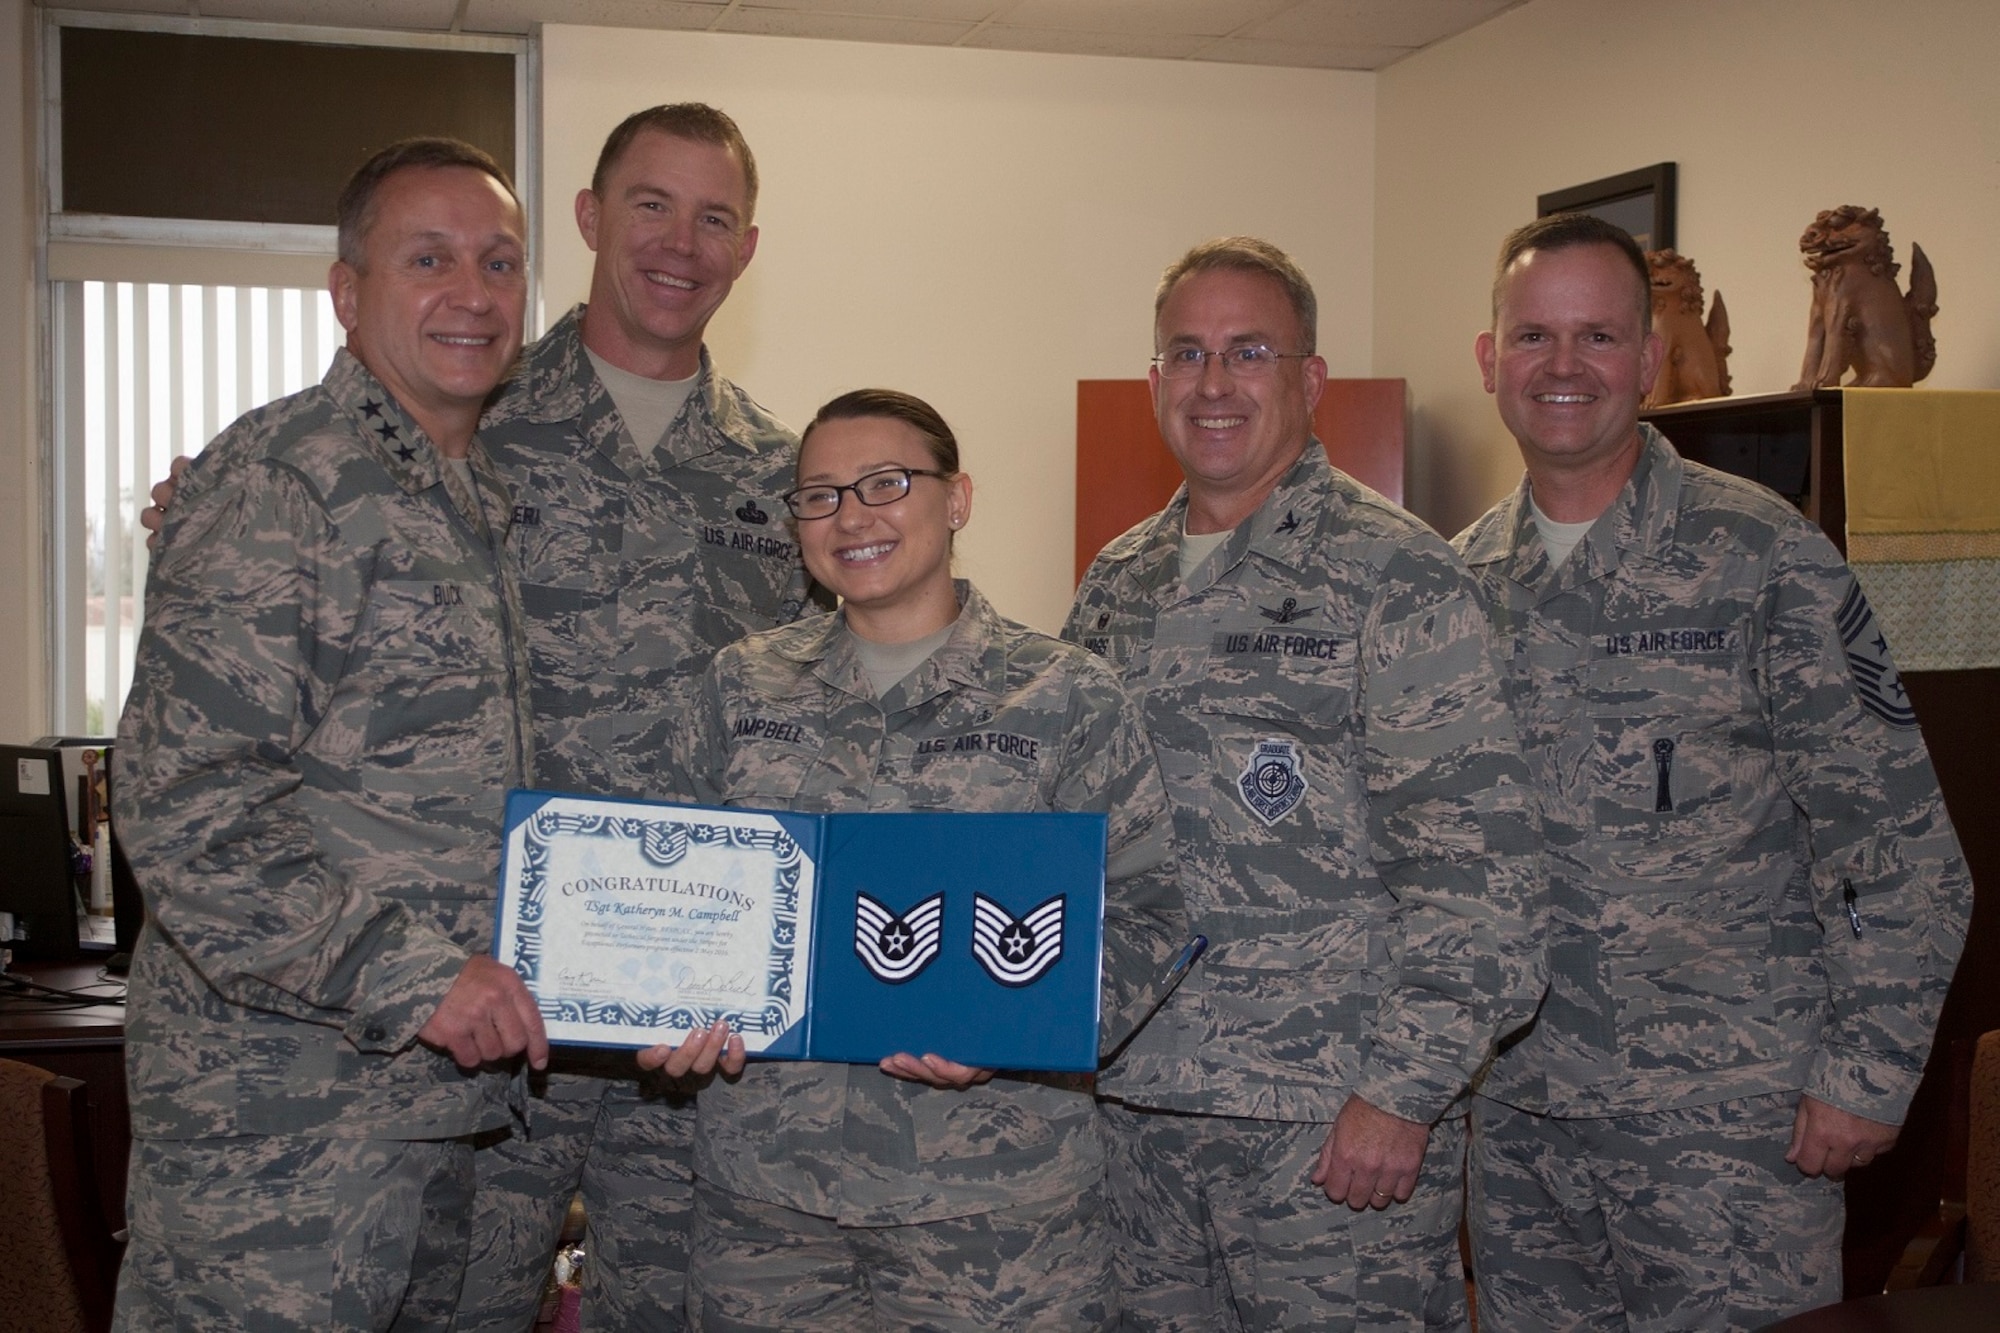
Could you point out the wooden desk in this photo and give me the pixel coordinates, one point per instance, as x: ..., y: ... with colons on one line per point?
x: 1966, y: 1309
x: 85, y: 1043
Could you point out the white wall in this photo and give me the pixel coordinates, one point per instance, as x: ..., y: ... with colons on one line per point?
x: 23, y: 673
x: 981, y: 228
x: 1774, y: 109
x: 984, y: 228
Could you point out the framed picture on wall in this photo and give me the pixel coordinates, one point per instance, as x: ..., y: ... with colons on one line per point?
x: 1642, y: 202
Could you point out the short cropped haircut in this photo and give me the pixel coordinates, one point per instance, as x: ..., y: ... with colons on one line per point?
x: 355, y: 212
x: 1569, y: 231
x: 1247, y: 254
x: 892, y: 405
x: 697, y: 122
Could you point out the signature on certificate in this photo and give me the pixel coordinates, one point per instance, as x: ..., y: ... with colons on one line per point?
x: 723, y: 983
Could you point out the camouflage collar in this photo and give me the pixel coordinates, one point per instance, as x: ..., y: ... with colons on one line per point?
x: 1502, y: 532
x: 1650, y: 505
x: 1286, y: 526
x: 1154, y: 565
x: 408, y: 454
x: 1282, y: 529
x: 1640, y: 522
x: 552, y: 383
x: 975, y: 656
x: 1507, y: 537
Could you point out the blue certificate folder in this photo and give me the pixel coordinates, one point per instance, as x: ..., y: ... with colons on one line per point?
x: 976, y: 937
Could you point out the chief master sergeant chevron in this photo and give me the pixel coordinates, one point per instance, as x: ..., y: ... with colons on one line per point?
x: 1756, y: 896
x: 329, y: 701
x: 1357, y: 838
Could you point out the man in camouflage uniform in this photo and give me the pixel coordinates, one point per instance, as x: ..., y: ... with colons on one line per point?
x: 649, y: 533
x: 1356, y: 839
x: 328, y: 703
x: 1756, y: 895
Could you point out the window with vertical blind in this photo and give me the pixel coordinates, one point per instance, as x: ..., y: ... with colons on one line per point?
x: 152, y: 371
x: 192, y: 166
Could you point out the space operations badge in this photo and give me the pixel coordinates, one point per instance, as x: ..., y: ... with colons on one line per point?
x: 1271, y: 782
x: 1875, y: 675
x: 895, y: 948
x: 1016, y: 951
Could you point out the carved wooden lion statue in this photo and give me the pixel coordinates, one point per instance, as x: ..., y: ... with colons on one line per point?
x: 1695, y: 357
x: 1859, y: 317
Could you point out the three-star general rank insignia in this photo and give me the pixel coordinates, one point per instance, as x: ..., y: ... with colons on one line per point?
x: 1271, y: 782
x: 896, y: 948
x: 1875, y: 676
x: 1016, y: 951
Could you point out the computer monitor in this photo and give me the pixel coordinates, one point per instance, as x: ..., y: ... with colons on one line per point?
x: 87, y: 761
x: 37, y: 875
x: 127, y: 907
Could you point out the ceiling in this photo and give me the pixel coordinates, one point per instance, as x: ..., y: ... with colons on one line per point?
x: 1309, y: 34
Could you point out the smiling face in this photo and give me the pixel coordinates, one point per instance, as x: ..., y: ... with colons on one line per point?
x: 1233, y: 434
x: 672, y: 233
x: 435, y: 306
x: 1568, y: 360
x: 890, y: 564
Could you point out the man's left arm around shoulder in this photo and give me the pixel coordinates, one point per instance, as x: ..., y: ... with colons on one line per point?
x: 1889, y: 886
x: 1456, y: 839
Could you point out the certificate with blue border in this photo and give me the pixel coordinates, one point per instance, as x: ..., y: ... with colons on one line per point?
x: 844, y: 937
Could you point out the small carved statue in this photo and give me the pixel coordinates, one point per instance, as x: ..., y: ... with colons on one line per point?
x: 1695, y: 358
x: 1859, y: 316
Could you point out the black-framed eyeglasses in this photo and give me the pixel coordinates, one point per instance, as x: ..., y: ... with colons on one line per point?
x: 877, y: 488
x: 1247, y: 359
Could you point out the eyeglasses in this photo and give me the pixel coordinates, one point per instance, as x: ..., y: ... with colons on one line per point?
x: 877, y: 488
x: 1248, y: 360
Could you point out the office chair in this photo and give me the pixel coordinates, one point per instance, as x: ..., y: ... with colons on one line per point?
x: 62, y: 1261
x: 1962, y: 1242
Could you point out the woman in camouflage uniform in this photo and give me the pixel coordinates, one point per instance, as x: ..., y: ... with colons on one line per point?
x: 923, y: 1192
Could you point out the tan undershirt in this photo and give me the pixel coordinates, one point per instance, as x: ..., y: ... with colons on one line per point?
x: 1558, y: 539
x: 887, y: 665
x: 648, y: 406
x: 1197, y: 547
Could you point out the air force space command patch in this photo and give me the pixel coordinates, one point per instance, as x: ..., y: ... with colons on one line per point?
x: 895, y: 948
x: 1875, y: 677
x: 1016, y: 951
x: 1271, y: 782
